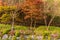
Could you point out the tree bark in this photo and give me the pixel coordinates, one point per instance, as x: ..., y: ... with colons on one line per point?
x: 34, y: 23
x: 12, y: 19
x: 31, y: 22
x: 51, y: 21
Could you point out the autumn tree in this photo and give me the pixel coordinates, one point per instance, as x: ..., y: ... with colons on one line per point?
x: 33, y: 10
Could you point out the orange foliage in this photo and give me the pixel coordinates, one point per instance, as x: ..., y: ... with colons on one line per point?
x: 32, y: 8
x: 1, y: 3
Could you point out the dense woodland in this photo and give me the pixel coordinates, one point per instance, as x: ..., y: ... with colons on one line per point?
x: 30, y: 12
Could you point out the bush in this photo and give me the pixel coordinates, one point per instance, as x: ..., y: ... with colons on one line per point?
x: 5, y: 31
x: 14, y: 38
x: 17, y: 33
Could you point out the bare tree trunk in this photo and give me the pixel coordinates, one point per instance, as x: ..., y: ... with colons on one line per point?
x: 34, y: 23
x: 31, y: 22
x: 12, y: 20
x: 45, y: 21
x: 51, y: 21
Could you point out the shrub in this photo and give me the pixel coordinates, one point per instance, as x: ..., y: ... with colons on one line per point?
x: 14, y: 38
x: 17, y: 33
x: 5, y: 31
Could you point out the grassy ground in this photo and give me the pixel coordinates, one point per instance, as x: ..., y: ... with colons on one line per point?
x: 44, y: 29
x: 52, y: 30
x: 6, y: 28
x: 41, y: 30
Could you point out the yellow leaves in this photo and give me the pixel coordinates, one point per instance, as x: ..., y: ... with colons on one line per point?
x: 7, y: 7
x: 5, y: 18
